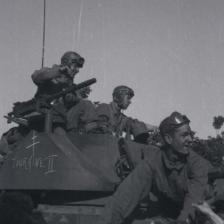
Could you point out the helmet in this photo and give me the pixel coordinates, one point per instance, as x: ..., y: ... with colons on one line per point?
x: 66, y: 56
x: 174, y: 121
x: 122, y: 90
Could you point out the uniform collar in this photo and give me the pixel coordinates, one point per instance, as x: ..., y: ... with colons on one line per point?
x: 173, y: 165
x: 115, y: 108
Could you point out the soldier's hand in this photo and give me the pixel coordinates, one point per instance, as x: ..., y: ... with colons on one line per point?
x: 204, y: 207
x: 84, y: 92
x: 64, y: 69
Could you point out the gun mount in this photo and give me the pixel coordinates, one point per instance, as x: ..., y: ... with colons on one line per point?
x: 40, y: 110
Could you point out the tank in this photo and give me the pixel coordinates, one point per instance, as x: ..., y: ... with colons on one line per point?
x: 69, y: 176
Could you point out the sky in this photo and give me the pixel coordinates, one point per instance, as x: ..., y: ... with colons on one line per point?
x: 171, y: 52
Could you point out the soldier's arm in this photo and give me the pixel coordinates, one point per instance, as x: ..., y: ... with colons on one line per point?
x: 151, y: 128
x: 138, y: 129
x: 45, y: 74
x: 144, y: 126
x: 198, y: 179
x: 130, y: 192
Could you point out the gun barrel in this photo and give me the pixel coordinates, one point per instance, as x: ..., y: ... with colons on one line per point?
x: 20, y: 121
x: 71, y: 89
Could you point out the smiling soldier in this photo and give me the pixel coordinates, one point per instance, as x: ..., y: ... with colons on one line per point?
x: 175, y: 174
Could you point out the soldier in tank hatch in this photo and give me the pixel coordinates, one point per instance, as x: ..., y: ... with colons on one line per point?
x: 113, y: 120
x: 53, y: 80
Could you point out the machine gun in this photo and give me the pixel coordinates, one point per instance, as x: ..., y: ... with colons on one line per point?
x: 20, y: 120
x: 24, y: 112
x: 70, y: 89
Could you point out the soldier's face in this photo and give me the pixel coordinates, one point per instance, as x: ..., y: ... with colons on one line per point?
x: 125, y: 102
x: 181, y: 139
x: 73, y: 66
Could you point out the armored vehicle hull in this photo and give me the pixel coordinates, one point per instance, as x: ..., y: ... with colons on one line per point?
x: 69, y: 176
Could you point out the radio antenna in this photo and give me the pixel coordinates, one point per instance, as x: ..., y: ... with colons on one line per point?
x: 43, y: 43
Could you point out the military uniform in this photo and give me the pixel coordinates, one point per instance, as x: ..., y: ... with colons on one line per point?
x: 116, y: 122
x: 174, y: 174
x: 78, y: 114
x: 50, y: 86
x: 53, y: 80
x: 82, y: 117
x: 177, y: 186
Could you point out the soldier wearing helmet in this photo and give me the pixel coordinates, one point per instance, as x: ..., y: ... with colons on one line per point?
x: 54, y: 79
x: 174, y: 174
x: 122, y: 96
x: 113, y: 120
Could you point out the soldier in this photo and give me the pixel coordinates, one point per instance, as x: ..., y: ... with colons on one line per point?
x: 114, y: 121
x: 174, y: 174
x: 53, y: 80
